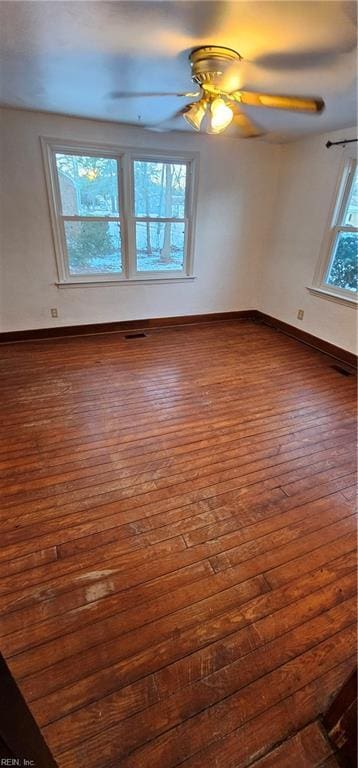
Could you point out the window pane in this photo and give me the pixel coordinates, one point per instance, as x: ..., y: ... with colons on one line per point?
x: 159, y: 189
x: 93, y: 247
x: 88, y: 185
x: 343, y: 269
x: 351, y: 212
x: 160, y: 246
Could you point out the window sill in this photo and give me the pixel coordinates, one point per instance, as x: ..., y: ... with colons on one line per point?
x: 135, y: 281
x: 332, y: 296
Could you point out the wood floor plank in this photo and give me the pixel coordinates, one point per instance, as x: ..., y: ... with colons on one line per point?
x: 274, y: 725
x: 153, y: 657
x: 40, y: 473
x: 244, y: 665
x: 304, y: 543
x: 86, y: 603
x: 107, y: 606
x: 35, y: 559
x: 350, y: 493
x: 33, y: 489
x: 177, y: 558
x: 219, y: 719
x: 307, y: 749
x: 16, y: 594
x: 219, y: 653
x: 330, y: 762
x: 104, y: 505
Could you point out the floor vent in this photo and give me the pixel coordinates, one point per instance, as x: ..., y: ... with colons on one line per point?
x: 340, y: 370
x: 135, y: 336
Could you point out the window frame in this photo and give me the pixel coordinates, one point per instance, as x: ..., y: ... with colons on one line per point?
x: 335, y: 226
x: 125, y: 157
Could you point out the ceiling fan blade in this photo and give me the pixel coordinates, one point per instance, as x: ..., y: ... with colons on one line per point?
x: 146, y: 94
x: 308, y: 59
x: 167, y: 125
x: 294, y: 103
x: 244, y: 127
x: 160, y: 128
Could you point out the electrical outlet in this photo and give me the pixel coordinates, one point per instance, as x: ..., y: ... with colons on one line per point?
x: 300, y: 314
x: 54, y: 312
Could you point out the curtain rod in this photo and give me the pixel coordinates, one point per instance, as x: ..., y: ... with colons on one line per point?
x: 335, y: 143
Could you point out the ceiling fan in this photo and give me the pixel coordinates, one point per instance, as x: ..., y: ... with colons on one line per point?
x: 214, y: 69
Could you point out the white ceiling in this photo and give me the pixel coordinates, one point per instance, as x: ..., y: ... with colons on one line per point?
x: 69, y: 57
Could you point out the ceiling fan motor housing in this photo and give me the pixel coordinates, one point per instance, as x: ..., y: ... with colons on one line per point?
x: 209, y: 63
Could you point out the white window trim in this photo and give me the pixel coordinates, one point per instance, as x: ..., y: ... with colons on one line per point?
x: 319, y: 285
x: 125, y: 157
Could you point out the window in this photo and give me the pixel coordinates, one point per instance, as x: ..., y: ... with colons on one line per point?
x: 160, y: 215
x: 120, y: 215
x: 89, y: 213
x: 337, y: 273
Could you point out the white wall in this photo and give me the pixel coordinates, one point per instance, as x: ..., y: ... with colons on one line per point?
x: 234, y: 215
x: 307, y: 183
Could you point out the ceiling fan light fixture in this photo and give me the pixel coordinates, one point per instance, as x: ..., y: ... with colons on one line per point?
x: 195, y: 113
x: 221, y: 115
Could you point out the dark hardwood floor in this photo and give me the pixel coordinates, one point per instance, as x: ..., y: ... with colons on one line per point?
x: 177, y: 554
